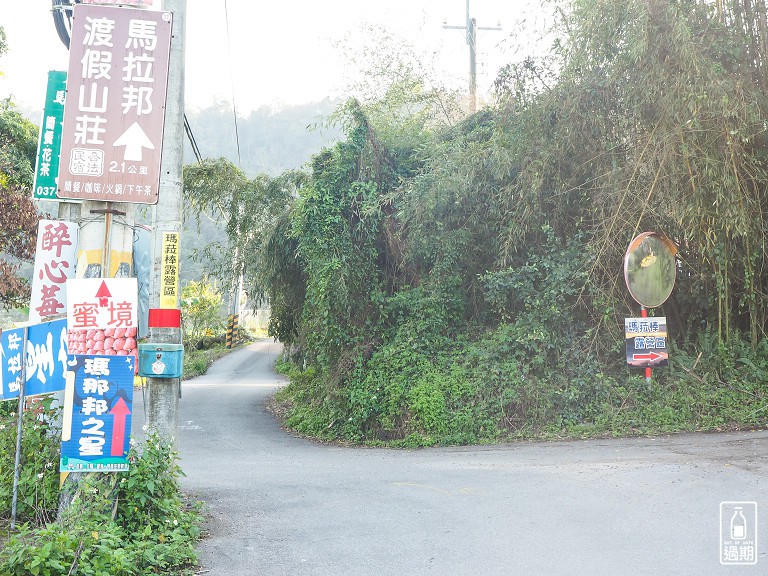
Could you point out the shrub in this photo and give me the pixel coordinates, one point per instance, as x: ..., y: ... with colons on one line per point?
x: 38, y: 495
x: 152, y: 532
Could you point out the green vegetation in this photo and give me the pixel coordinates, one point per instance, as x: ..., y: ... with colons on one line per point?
x: 39, y: 474
x: 440, y: 281
x: 18, y: 214
x: 197, y: 362
x: 201, y: 314
x: 131, y: 523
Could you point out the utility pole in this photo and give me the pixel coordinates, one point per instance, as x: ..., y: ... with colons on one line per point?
x: 162, y: 408
x: 471, y: 29
x: 106, y: 251
x: 105, y: 244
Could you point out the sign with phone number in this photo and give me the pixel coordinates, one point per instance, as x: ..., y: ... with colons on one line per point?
x: 49, y: 143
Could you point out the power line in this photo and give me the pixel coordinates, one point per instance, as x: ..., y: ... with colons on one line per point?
x: 192, y: 141
x: 232, y: 78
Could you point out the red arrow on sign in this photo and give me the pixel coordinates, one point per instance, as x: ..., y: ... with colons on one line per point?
x: 649, y: 356
x: 120, y: 411
x: 103, y: 294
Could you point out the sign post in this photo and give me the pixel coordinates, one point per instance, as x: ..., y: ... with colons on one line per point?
x: 650, y: 269
x: 117, y: 127
x: 162, y: 402
x: 19, y: 432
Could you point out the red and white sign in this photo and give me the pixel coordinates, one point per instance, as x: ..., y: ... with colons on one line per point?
x: 55, y: 261
x: 102, y: 316
x: 114, y: 112
x: 102, y: 303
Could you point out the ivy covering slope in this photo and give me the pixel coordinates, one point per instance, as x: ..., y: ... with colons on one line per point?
x: 450, y: 282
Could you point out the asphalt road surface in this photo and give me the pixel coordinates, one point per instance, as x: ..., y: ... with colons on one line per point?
x: 279, y: 505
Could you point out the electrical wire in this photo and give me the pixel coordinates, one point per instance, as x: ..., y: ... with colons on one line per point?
x: 234, y: 105
x: 192, y: 141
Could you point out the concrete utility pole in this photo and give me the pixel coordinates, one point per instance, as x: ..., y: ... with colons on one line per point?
x: 162, y: 408
x: 471, y: 28
x: 105, y: 251
x: 106, y: 230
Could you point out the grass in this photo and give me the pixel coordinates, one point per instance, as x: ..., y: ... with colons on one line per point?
x: 197, y: 362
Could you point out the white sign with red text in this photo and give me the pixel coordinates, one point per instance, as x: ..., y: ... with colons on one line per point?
x: 55, y: 260
x: 102, y: 316
x: 102, y: 303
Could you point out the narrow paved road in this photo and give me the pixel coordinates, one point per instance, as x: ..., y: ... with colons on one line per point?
x: 280, y: 505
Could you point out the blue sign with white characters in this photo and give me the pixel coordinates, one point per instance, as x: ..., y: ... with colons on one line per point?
x: 11, y: 343
x: 45, y: 357
x: 646, y: 340
x: 96, y: 425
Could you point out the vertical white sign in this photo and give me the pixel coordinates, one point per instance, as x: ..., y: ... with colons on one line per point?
x: 55, y: 260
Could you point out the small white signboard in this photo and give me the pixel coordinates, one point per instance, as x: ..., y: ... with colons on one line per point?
x: 55, y: 261
x: 102, y: 303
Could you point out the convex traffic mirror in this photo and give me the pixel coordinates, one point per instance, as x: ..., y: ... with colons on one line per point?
x: 650, y: 268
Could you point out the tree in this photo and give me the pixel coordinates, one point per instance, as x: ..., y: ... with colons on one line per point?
x: 248, y: 209
x: 200, y: 305
x: 507, y: 231
x: 655, y: 122
x: 18, y: 215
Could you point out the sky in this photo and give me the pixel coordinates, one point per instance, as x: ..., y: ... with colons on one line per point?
x: 284, y: 52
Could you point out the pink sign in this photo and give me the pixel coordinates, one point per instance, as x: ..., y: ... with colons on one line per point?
x: 114, y: 112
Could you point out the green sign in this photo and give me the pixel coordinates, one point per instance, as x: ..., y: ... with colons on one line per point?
x: 49, y: 143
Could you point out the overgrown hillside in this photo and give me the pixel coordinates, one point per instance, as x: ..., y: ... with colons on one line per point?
x: 441, y: 281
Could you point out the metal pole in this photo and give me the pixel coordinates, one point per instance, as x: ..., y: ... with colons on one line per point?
x: 19, y: 431
x: 162, y: 408
x: 648, y: 372
x: 105, y: 272
x: 472, y: 36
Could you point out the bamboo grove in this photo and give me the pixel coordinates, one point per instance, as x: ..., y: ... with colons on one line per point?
x: 441, y: 279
